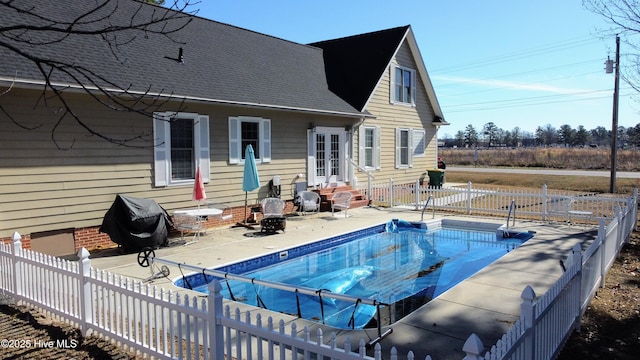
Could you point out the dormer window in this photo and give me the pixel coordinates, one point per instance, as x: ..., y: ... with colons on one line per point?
x: 403, y: 86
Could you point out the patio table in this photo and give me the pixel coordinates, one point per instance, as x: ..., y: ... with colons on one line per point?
x: 199, y: 214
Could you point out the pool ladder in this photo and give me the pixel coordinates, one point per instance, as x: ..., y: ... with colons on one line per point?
x: 512, y: 208
x: 424, y: 208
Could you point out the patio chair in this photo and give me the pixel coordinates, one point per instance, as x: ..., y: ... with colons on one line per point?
x: 188, y: 224
x: 308, y: 202
x: 273, y: 211
x: 573, y: 213
x: 341, y: 201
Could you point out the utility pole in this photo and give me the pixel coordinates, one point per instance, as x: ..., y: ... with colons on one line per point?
x: 614, y: 121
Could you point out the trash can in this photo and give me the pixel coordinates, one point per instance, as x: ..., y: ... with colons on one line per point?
x: 436, y: 177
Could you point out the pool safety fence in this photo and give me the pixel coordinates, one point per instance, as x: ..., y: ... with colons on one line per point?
x: 167, y: 324
x: 543, y: 204
x: 147, y: 258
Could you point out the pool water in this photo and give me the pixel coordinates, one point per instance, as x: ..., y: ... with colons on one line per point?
x: 403, y: 267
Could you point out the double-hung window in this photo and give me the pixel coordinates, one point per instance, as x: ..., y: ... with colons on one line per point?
x: 254, y: 131
x: 369, y: 147
x: 404, y: 149
x: 410, y: 143
x: 182, y: 151
x: 403, y: 85
x: 181, y: 143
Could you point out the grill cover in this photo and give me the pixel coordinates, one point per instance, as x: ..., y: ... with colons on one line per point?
x: 136, y: 223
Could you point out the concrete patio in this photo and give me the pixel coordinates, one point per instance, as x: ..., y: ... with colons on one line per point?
x: 487, y: 304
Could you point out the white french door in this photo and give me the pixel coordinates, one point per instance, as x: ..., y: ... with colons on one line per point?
x: 328, y: 155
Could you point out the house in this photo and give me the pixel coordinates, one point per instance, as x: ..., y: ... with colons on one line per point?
x: 136, y: 112
x: 382, y: 73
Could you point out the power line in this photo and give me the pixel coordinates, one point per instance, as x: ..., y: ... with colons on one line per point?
x: 502, y: 82
x: 500, y: 88
x: 535, y: 97
x: 567, y: 44
x: 525, y: 102
x: 520, y: 73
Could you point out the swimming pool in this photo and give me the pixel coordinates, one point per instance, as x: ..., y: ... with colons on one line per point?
x: 400, y: 265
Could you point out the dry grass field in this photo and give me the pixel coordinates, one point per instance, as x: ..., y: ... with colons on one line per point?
x: 552, y: 157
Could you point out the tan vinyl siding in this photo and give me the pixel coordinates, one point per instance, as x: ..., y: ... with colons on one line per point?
x: 44, y: 188
x: 390, y: 116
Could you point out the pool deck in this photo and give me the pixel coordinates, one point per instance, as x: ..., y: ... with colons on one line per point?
x: 486, y: 304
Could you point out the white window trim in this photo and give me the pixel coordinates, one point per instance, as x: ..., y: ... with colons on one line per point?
x: 392, y: 82
x: 376, y: 147
x: 235, y: 139
x: 409, y: 149
x: 162, y: 147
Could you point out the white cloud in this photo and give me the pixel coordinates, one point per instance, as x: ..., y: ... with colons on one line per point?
x: 503, y: 84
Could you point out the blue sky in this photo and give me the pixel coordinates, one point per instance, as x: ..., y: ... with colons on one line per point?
x: 512, y: 62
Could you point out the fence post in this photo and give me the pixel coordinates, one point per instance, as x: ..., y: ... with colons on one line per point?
x: 418, y: 193
x: 576, y: 253
x: 628, y: 220
x: 527, y: 317
x: 84, y: 290
x: 369, y: 189
x: 602, y: 233
x: 544, y: 202
x: 390, y: 192
x: 620, y: 229
x: 17, y: 273
x: 473, y: 347
x: 469, y: 198
x: 631, y: 217
x: 214, y: 312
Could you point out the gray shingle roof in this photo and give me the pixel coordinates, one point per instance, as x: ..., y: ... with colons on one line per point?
x: 221, y: 62
x: 355, y: 64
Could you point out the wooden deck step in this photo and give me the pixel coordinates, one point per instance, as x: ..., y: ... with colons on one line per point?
x: 326, y: 194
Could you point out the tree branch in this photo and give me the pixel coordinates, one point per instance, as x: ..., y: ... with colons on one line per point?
x: 31, y: 38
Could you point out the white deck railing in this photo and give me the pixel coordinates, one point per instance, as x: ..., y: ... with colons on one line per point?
x: 168, y: 325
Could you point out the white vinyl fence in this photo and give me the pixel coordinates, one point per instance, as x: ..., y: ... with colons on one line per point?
x: 546, y: 322
x: 169, y: 325
x: 544, y: 204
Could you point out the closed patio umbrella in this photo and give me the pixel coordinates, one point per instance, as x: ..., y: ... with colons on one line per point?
x: 250, y: 179
x: 198, y: 195
x: 198, y: 188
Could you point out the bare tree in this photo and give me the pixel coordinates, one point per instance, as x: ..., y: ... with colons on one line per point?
x: 624, y: 17
x: 38, y: 41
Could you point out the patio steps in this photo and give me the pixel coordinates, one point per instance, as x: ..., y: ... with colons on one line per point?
x: 326, y: 194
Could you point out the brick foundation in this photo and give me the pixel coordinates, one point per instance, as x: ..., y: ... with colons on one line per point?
x: 26, y: 241
x: 91, y: 239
